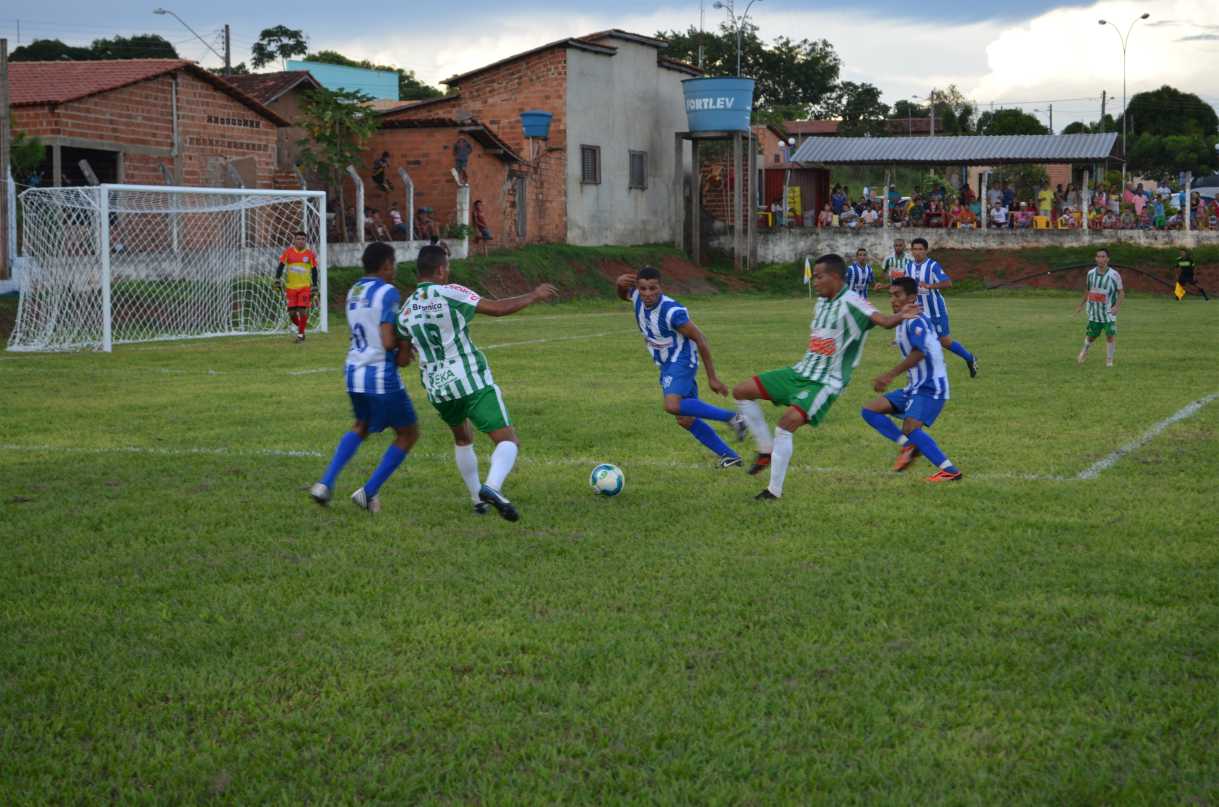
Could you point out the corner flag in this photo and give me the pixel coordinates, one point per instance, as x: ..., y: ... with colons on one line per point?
x: 808, y: 272
x: 1179, y: 291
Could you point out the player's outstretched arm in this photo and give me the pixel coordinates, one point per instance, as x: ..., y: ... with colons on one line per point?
x: 691, y: 332
x: 910, y: 311
x: 624, y: 284
x: 882, y: 381
x: 510, y: 305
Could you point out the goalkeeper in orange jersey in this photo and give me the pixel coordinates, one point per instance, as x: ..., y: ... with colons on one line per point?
x: 301, y: 265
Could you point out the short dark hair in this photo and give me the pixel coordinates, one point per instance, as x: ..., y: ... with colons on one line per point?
x: 301, y: 233
x: 375, y: 255
x: 1104, y: 250
x: 648, y: 273
x: 906, y: 284
x: 919, y: 240
x: 431, y: 258
x: 861, y: 249
x: 833, y: 262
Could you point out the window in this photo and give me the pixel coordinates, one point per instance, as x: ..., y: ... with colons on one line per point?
x: 639, y: 170
x: 590, y: 165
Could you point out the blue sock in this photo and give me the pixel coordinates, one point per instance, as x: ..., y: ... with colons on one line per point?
x: 389, y: 463
x: 923, y: 442
x: 707, y: 436
x: 882, y: 424
x: 348, y: 446
x: 959, y: 349
x: 694, y: 408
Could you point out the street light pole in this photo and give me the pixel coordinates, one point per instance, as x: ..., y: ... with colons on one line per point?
x: 206, y: 44
x: 737, y: 22
x: 1125, y: 123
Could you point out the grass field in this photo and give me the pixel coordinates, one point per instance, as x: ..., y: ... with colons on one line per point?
x: 178, y: 623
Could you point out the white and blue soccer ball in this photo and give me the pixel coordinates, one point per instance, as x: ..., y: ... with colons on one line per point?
x: 607, y: 480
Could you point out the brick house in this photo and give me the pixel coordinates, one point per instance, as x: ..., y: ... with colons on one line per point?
x: 605, y: 173
x: 282, y: 92
x: 133, y: 119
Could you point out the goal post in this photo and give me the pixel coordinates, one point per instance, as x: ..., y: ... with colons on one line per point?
x: 114, y: 264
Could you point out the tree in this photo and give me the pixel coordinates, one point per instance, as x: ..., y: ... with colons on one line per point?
x: 1025, y: 179
x: 1076, y: 127
x: 860, y: 109
x: 409, y: 87
x: 953, y: 113
x: 138, y: 46
x: 1168, y: 111
x: 26, y: 153
x: 792, y: 78
x: 337, y: 126
x: 905, y: 109
x: 279, y: 43
x: 1010, y: 122
x: 238, y: 69
x: 1166, y: 156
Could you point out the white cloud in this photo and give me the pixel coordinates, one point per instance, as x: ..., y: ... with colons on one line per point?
x: 1057, y: 55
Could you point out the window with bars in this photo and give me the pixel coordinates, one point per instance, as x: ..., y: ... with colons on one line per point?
x: 639, y: 170
x: 590, y: 165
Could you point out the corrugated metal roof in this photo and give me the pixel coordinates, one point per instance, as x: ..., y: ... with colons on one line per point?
x: 977, y: 150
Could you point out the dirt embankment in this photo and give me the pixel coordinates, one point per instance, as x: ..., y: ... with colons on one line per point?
x: 1021, y: 270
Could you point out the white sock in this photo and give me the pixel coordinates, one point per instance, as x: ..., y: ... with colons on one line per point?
x: 467, y: 466
x: 901, y: 441
x: 1110, y: 349
x: 756, y: 422
x: 502, y: 460
x: 1087, y: 345
x: 780, y: 455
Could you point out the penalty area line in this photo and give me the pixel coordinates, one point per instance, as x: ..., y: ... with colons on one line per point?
x: 1104, y: 463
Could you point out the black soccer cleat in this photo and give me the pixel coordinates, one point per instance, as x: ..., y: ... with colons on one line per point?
x: 500, y: 502
x: 729, y: 462
x: 973, y: 367
x: 760, y: 463
x: 481, y: 508
x: 766, y: 496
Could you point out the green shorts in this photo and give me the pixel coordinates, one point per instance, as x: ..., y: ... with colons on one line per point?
x: 787, y: 388
x: 1095, y: 329
x: 485, y: 409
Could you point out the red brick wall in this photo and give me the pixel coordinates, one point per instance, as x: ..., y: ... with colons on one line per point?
x: 768, y: 146
x: 496, y: 98
x: 140, y: 115
x: 427, y: 155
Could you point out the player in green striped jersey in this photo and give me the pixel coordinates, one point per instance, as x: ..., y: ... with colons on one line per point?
x: 840, y: 326
x: 1103, y: 295
x: 455, y: 373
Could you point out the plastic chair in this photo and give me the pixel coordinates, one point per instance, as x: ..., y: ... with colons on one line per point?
x: 1041, y: 222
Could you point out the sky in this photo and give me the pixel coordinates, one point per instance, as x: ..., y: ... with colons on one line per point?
x: 1026, y: 53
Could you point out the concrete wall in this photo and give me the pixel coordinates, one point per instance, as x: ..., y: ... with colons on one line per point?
x: 784, y: 246
x: 404, y: 251
x: 622, y: 103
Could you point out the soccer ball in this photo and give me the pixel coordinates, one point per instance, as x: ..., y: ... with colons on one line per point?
x: 607, y: 480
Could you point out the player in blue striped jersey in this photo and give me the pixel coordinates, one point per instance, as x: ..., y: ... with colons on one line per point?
x: 676, y: 345
x: 378, y: 398
x: 920, y: 402
x: 860, y: 277
x: 931, y: 277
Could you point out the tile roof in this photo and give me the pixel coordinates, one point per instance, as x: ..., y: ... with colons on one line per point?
x: 480, y: 133
x: 37, y: 83
x: 973, y: 150
x: 266, y: 87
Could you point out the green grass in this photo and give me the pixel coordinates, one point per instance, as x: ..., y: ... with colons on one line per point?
x: 178, y: 623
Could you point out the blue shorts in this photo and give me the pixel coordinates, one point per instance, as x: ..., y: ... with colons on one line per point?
x: 393, y: 410
x: 679, y: 380
x: 922, y: 408
x: 941, y: 324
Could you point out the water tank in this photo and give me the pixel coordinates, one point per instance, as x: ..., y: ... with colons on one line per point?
x: 718, y: 104
x: 536, y: 123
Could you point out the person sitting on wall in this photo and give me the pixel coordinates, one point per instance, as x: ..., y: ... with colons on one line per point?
x: 482, y: 231
x: 425, y: 227
x: 966, y: 218
x: 935, y: 214
x: 826, y: 217
x: 918, y: 213
x: 849, y: 218
x: 998, y: 213
x: 397, y: 227
x: 870, y: 217
x: 461, y: 157
x: 379, y: 167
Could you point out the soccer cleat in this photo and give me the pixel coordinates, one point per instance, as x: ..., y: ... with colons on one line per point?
x: 481, y: 508
x: 500, y: 502
x: 945, y: 476
x: 300, y: 337
x: 361, y: 500
x: 1108, y: 364
x: 320, y: 494
x: 760, y: 462
x: 1083, y: 354
x: 765, y: 496
x: 973, y: 367
x: 739, y: 427
x: 729, y: 462
x: 905, y: 456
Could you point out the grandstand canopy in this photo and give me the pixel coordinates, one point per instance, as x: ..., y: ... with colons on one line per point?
x: 974, y: 150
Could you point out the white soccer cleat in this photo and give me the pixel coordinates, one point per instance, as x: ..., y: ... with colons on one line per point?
x: 361, y: 500
x: 320, y: 494
x: 1083, y: 354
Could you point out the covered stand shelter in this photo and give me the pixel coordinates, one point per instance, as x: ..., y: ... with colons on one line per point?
x: 822, y: 152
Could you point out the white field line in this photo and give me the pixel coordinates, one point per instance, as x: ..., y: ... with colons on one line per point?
x: 164, y: 452
x: 1104, y: 463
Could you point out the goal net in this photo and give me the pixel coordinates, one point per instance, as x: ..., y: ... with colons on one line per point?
x: 110, y: 264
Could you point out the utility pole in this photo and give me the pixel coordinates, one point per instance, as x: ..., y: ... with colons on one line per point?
x: 1051, y: 119
x: 5, y: 178
x: 228, y: 50
x: 1103, y: 94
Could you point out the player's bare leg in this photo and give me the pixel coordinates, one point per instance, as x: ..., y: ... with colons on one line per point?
x: 746, y: 395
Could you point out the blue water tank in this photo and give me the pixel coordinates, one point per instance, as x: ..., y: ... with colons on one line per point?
x: 718, y: 104
x: 536, y: 123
